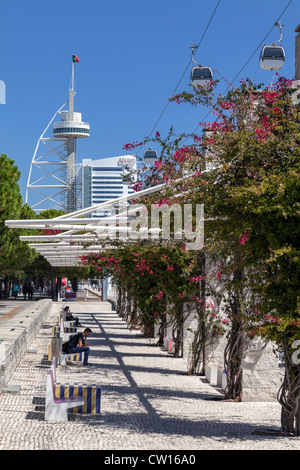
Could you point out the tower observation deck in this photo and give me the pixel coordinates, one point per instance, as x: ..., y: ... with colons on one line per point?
x: 54, y: 177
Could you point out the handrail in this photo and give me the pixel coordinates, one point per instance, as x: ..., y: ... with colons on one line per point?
x: 66, y: 123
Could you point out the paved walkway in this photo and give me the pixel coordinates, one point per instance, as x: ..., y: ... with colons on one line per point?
x: 148, y: 401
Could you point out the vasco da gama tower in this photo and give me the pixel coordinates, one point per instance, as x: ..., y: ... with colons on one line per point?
x: 54, y: 181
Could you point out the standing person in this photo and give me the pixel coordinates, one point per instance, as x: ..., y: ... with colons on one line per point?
x: 30, y: 291
x: 25, y: 289
x: 77, y: 344
x: 15, y: 290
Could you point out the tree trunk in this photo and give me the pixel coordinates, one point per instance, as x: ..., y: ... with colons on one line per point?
x: 177, y: 331
x: 123, y: 302
x: 127, y: 309
x: 6, y: 287
x: 75, y: 284
x: 289, y: 394
x: 234, y: 350
x: 198, y: 349
x: 161, y: 331
x: 119, y: 299
x: 233, y: 356
x: 198, y: 353
x: 134, y: 309
x: 53, y: 284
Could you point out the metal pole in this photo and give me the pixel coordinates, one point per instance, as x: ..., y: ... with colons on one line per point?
x: 72, y: 86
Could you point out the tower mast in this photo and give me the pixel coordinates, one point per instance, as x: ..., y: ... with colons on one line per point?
x: 53, y: 174
x: 72, y: 129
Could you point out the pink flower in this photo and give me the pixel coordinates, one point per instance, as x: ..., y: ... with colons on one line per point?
x: 245, y: 238
x: 138, y: 186
x: 132, y: 146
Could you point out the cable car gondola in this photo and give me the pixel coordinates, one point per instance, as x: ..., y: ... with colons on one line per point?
x: 272, y: 57
x: 200, y: 75
x: 150, y: 156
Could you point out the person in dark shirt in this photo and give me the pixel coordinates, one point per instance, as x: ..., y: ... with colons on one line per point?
x: 69, y: 316
x: 78, y: 344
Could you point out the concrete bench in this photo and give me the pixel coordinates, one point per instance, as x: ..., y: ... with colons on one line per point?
x: 55, y: 351
x: 64, y: 324
x: 224, y: 382
x: 72, y: 357
x: 222, y: 379
x: 91, y: 393
x: 220, y: 376
x: 63, y: 330
x: 67, y: 326
x: 57, y: 408
x: 57, y: 331
x: 211, y: 373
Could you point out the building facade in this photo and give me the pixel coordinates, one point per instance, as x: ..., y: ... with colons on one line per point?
x: 102, y: 180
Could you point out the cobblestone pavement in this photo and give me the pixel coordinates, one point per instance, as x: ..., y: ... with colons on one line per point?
x: 148, y: 401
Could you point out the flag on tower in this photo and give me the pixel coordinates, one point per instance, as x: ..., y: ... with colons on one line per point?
x: 75, y: 58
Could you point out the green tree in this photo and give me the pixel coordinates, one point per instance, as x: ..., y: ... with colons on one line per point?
x: 251, y: 196
x: 14, y: 254
x: 160, y: 279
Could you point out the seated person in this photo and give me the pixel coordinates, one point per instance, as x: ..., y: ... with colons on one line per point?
x: 69, y: 316
x: 77, y: 344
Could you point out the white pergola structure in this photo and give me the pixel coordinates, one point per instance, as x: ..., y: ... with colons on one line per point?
x: 69, y: 237
x: 73, y: 235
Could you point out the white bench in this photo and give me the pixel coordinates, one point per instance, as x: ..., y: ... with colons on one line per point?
x: 66, y: 324
x: 55, y: 351
x: 57, y: 408
x: 211, y: 374
x: 65, y: 335
x: 91, y: 392
x: 224, y: 383
x: 71, y: 357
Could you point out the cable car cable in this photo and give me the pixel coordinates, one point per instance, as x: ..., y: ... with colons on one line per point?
x: 188, y: 65
x: 246, y: 63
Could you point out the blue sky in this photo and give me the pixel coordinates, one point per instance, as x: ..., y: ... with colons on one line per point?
x: 132, y: 55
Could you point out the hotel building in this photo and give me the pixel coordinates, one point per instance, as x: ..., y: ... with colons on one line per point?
x: 102, y: 180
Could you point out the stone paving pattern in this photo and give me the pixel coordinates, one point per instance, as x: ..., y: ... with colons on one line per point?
x: 148, y: 400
